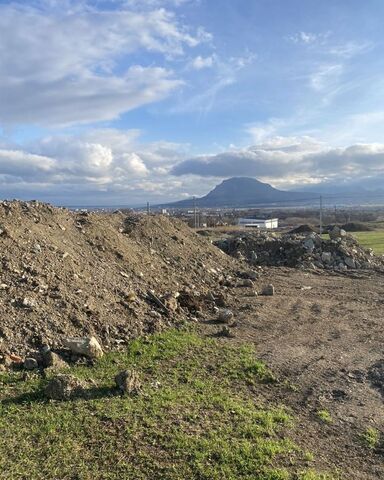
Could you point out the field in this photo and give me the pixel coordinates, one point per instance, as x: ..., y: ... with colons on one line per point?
x: 374, y: 240
x: 197, y: 418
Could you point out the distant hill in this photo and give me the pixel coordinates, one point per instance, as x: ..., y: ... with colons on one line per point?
x: 243, y: 192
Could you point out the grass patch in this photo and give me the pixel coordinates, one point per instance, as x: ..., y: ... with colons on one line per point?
x: 370, y: 438
x: 374, y: 240
x: 195, y: 419
x: 324, y: 416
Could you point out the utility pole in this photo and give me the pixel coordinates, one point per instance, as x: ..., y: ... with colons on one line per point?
x: 148, y: 209
x: 321, y: 215
x: 194, y: 212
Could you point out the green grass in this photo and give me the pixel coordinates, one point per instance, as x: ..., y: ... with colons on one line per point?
x: 324, y: 416
x: 370, y: 438
x: 196, y: 419
x: 374, y: 240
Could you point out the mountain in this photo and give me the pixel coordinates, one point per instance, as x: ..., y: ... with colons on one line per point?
x: 244, y: 192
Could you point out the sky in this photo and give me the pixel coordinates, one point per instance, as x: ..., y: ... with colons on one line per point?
x: 120, y: 102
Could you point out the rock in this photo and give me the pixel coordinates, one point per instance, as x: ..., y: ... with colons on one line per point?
x: 226, y: 332
x: 30, y: 363
x: 15, y: 359
x: 326, y: 257
x: 251, y: 275
x: 53, y: 361
x: 268, y: 290
x: 350, y: 262
x: 64, y: 387
x: 87, y: 346
x: 170, y: 301
x: 247, y: 283
x: 253, y: 258
x: 309, y: 244
x: 253, y: 293
x: 28, y: 303
x: 336, y: 233
x: 225, y: 315
x: 128, y: 382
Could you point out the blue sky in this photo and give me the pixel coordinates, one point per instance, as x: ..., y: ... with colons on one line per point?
x: 124, y: 101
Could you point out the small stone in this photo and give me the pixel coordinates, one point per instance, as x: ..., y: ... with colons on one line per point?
x: 30, y: 363
x: 15, y: 359
x: 131, y: 296
x: 247, y: 283
x: 225, y: 315
x: 28, y: 303
x: 226, y: 332
x: 350, y: 262
x: 36, y: 248
x: 309, y: 245
x: 128, y: 382
x: 268, y: 290
x: 326, y: 257
x: 251, y: 274
x: 53, y: 361
x: 170, y: 301
x: 64, y: 387
x: 253, y: 258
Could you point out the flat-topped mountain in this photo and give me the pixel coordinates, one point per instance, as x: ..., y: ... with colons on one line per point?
x: 242, y: 192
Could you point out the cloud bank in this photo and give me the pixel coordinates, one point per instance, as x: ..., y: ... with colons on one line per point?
x: 286, y: 161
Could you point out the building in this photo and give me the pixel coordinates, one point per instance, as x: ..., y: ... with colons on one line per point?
x: 259, y: 223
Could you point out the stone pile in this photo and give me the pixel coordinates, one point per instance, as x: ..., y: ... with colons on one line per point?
x: 341, y: 252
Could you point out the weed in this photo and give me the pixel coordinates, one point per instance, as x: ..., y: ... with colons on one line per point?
x: 324, y: 416
x: 370, y: 437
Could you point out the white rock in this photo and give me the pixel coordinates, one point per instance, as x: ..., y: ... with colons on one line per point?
x: 87, y: 346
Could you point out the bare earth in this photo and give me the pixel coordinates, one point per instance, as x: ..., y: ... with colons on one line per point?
x: 324, y: 340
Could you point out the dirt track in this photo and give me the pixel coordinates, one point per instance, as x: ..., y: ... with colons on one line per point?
x: 324, y: 340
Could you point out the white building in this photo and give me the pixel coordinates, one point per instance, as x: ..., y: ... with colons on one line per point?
x: 259, y: 223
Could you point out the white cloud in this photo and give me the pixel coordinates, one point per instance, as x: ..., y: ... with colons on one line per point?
x: 101, y: 162
x: 61, y: 67
x: 200, y: 62
x: 309, y: 38
x: 326, y: 76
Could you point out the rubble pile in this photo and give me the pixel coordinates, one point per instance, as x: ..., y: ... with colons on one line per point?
x: 341, y: 252
x: 66, y: 277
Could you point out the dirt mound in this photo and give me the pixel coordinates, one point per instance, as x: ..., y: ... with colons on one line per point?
x: 342, y: 252
x: 357, y: 227
x: 109, y: 275
x: 302, y: 229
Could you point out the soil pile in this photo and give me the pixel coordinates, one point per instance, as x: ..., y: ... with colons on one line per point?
x: 357, y: 227
x: 109, y: 275
x: 302, y: 229
x: 342, y: 252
